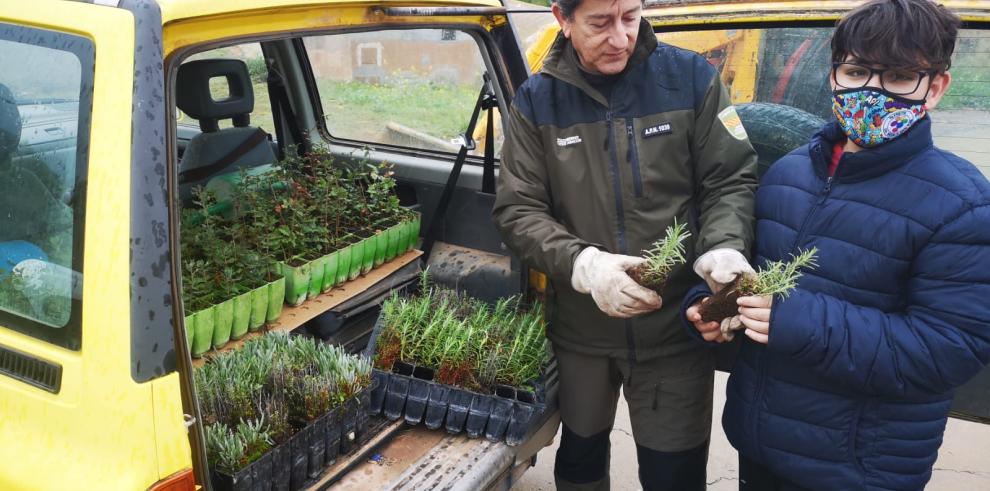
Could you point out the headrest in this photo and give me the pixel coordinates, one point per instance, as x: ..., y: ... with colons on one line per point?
x: 10, y: 123
x: 193, y: 92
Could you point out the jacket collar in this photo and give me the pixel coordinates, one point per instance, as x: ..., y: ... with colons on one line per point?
x: 562, y: 62
x: 871, y: 162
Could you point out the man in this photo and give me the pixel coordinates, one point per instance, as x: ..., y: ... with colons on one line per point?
x: 846, y: 383
x: 617, y: 137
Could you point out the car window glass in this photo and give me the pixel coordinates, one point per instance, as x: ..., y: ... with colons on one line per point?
x: 45, y: 99
x: 412, y: 88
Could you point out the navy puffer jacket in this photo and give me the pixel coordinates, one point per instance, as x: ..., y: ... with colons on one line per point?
x: 854, y: 387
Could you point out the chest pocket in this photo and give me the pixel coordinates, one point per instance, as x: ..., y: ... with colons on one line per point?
x: 658, y: 159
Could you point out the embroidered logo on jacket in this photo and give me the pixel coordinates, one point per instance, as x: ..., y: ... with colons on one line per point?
x: 568, y: 141
x: 660, y: 129
x: 730, y: 119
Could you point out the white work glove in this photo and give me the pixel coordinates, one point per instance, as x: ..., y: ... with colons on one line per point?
x: 719, y: 267
x: 604, y: 276
x: 729, y: 327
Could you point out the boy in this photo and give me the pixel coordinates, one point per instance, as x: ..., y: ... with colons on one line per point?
x: 847, y: 382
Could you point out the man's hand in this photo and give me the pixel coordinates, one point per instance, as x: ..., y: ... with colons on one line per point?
x: 754, y: 313
x: 604, y: 276
x: 710, y: 331
x: 719, y: 267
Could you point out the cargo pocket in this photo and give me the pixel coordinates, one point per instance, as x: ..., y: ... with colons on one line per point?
x: 672, y: 413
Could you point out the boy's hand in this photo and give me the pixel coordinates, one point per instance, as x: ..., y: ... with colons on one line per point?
x: 710, y: 331
x: 754, y: 313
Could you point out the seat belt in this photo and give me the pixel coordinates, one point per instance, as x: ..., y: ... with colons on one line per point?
x: 486, y: 101
x: 280, y: 102
x: 239, y: 151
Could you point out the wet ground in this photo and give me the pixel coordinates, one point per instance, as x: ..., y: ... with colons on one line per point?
x: 963, y: 462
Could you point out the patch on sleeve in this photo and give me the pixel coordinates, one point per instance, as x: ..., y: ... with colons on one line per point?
x: 730, y: 119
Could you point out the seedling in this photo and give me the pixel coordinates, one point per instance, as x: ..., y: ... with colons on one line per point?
x: 774, y: 278
x: 661, y: 259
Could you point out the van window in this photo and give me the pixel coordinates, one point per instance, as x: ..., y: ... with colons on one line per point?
x: 413, y: 88
x: 45, y: 100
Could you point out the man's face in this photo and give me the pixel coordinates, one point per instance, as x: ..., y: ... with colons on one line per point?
x: 603, y: 33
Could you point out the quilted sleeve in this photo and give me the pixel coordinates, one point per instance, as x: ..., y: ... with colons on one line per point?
x: 938, y: 342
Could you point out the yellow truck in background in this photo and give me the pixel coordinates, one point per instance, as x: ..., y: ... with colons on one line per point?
x: 96, y: 376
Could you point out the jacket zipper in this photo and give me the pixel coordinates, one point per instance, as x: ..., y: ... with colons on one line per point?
x: 633, y: 158
x: 620, y: 217
x: 761, y: 360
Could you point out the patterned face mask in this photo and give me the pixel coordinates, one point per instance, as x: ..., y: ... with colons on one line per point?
x: 871, y: 117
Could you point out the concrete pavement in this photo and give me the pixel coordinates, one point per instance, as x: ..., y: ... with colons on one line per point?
x: 963, y: 463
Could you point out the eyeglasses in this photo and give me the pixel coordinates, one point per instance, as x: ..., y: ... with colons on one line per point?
x: 894, y: 80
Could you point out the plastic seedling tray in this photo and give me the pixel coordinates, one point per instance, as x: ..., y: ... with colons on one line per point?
x: 281, y: 467
x: 299, y: 446
x: 332, y: 437
x: 436, y: 406
x: 498, y: 421
x: 348, y: 429
x: 395, y: 396
x: 481, y: 409
x: 419, y: 393
x: 377, y: 396
x: 261, y: 473
x: 317, y: 446
x: 457, y: 410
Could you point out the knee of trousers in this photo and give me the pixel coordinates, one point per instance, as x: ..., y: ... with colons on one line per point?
x: 680, y: 471
x: 582, y: 459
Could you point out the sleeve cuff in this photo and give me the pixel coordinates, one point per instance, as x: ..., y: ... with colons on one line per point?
x: 693, y: 296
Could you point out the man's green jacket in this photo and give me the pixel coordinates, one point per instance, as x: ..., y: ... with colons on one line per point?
x: 579, y: 169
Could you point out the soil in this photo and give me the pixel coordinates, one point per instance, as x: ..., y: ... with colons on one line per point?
x: 637, y: 275
x: 722, y: 304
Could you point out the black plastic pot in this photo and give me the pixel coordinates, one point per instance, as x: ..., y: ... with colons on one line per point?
x: 281, y: 466
x: 239, y: 481
x: 522, y: 414
x: 436, y: 406
x: 502, y: 405
x: 395, y: 396
x: 457, y: 409
x: 525, y: 396
x: 348, y: 429
x: 403, y: 368
x: 419, y: 393
x: 299, y: 446
x: 362, y: 401
x: 317, y: 446
x: 261, y: 473
x: 332, y: 437
x: 377, y: 395
x: 481, y: 408
x: 423, y: 373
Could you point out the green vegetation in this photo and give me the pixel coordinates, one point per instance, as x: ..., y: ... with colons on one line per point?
x: 251, y: 397
x: 778, y: 277
x: 469, y: 343
x: 665, y: 254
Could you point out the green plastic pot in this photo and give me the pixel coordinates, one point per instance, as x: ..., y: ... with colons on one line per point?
x: 317, y: 268
x: 370, y: 246
x: 413, y: 231
x: 242, y: 316
x: 203, y: 337
x: 381, y: 245
x: 343, y: 264
x: 223, y: 315
x: 296, y: 283
x: 190, y: 324
x: 259, y: 307
x: 357, y: 259
x: 276, y: 295
x: 393, y: 239
x: 330, y: 270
